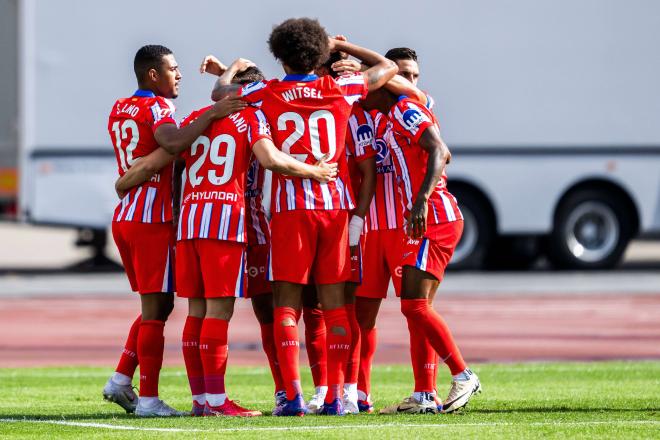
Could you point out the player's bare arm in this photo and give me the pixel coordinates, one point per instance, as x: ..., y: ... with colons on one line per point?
x: 142, y: 170
x: 273, y: 159
x: 224, y: 86
x: 439, y: 156
x: 381, y: 70
x: 367, y: 168
x: 174, y: 140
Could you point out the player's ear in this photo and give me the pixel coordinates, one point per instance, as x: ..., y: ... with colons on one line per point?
x: 153, y: 75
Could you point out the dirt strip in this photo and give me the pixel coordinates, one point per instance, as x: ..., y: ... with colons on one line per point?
x: 90, y: 330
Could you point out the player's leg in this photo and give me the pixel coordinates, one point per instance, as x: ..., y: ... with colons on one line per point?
x: 315, y: 342
x: 293, y: 247
x: 119, y: 387
x: 288, y: 306
x: 190, y: 337
x: 221, y: 288
x: 421, y: 276
x: 332, y: 268
x: 350, y: 395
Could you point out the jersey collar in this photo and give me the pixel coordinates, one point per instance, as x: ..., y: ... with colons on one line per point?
x: 141, y: 93
x: 299, y: 77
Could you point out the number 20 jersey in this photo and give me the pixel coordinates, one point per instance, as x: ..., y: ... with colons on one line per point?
x: 213, y: 195
x: 308, y: 116
x: 132, y: 124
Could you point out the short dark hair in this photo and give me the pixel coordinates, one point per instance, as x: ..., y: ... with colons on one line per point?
x: 333, y: 58
x: 149, y: 57
x: 300, y: 43
x: 249, y: 75
x: 401, y: 53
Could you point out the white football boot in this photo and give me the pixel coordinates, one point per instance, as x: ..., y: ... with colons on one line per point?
x: 159, y: 409
x: 122, y: 395
x: 461, y: 392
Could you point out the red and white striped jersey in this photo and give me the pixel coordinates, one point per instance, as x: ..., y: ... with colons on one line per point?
x: 360, y: 144
x: 132, y: 124
x: 309, y: 116
x: 386, y: 210
x: 409, y: 120
x: 256, y: 223
x: 213, y: 195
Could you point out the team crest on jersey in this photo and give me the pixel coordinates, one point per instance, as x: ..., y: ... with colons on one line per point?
x: 382, y: 152
x: 365, y: 136
x: 412, y: 118
x: 252, y: 174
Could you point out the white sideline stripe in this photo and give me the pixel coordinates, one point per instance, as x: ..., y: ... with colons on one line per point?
x: 326, y: 427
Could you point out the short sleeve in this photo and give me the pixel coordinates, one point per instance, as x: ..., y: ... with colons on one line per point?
x: 354, y: 87
x: 162, y: 112
x: 253, y: 92
x: 258, y: 128
x: 411, y: 119
x: 361, y: 136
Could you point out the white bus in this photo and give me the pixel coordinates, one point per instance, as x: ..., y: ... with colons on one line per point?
x: 551, y: 108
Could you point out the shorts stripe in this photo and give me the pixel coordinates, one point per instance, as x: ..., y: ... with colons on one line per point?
x: 238, y: 291
x: 423, y: 255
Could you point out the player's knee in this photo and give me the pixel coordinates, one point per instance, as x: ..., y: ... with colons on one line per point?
x: 338, y: 330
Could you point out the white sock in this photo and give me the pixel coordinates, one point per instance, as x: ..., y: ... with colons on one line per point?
x: 350, y: 389
x: 121, y: 379
x: 423, y: 397
x: 215, y: 399
x: 463, y: 375
x: 363, y: 396
x: 148, y: 402
x: 322, y: 391
x: 199, y: 398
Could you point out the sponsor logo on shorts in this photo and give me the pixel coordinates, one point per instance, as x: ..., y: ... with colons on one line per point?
x: 253, y: 271
x: 398, y: 271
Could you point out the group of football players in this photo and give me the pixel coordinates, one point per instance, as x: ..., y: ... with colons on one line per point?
x: 306, y: 194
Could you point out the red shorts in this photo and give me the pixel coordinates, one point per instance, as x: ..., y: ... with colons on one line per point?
x: 147, y: 252
x: 433, y: 252
x: 257, y: 266
x: 356, y: 262
x: 308, y: 243
x: 381, y: 261
x: 209, y: 268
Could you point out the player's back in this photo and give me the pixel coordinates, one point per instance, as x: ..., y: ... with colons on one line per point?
x: 409, y: 119
x: 132, y: 124
x: 309, y: 116
x: 213, y: 196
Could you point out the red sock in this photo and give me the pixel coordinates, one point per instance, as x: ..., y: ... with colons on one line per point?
x: 268, y: 343
x: 421, y: 314
x: 213, y: 351
x: 315, y: 342
x: 353, y: 363
x: 368, y: 339
x: 190, y: 348
x: 288, y: 349
x: 422, y: 356
x: 150, y: 353
x: 339, y: 347
x: 128, y: 361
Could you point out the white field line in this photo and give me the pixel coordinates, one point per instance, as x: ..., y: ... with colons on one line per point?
x: 329, y: 427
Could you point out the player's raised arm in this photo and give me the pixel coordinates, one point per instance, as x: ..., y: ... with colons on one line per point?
x: 273, y: 159
x: 381, y: 70
x: 438, y: 157
x: 174, y: 140
x: 224, y: 86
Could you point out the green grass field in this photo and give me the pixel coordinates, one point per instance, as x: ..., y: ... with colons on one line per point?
x: 549, y: 400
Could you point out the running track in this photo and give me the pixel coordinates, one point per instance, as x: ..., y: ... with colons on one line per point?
x: 90, y: 329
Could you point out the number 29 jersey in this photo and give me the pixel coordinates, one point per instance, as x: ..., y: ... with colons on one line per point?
x: 309, y: 116
x: 213, y: 195
x: 132, y: 124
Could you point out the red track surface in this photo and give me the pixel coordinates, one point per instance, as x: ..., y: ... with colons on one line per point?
x: 91, y: 330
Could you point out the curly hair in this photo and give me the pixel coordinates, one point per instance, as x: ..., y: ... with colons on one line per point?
x: 300, y: 43
x: 401, y: 53
x: 249, y: 75
x: 149, y: 57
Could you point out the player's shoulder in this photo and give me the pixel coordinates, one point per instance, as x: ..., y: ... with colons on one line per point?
x: 193, y: 115
x: 255, y: 87
x: 356, y: 78
x: 409, y: 113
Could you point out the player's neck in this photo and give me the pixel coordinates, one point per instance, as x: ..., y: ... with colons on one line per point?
x: 148, y: 88
x: 290, y: 71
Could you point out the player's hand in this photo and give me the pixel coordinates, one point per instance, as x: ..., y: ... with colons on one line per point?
x: 327, y: 171
x: 346, y: 67
x: 242, y: 64
x: 228, y: 105
x: 121, y: 194
x: 212, y: 65
x: 417, y: 219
